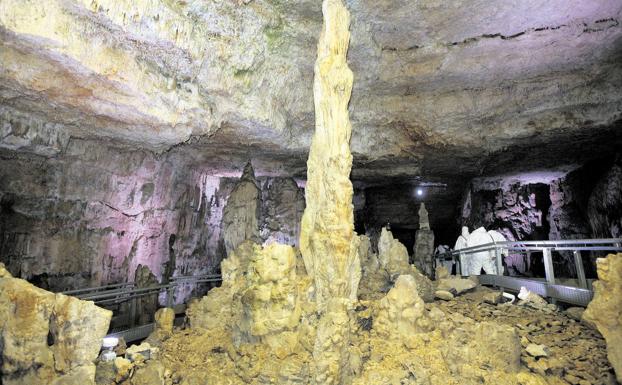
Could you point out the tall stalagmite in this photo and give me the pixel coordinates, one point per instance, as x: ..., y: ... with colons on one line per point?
x: 328, y: 242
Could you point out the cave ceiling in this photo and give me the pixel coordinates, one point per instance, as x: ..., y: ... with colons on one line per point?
x: 442, y: 89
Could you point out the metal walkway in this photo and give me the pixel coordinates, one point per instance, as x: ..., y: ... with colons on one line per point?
x: 123, y: 299
x: 548, y: 287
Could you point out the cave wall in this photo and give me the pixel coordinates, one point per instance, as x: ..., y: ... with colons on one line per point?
x: 92, y: 214
x: 581, y: 203
x: 604, y: 208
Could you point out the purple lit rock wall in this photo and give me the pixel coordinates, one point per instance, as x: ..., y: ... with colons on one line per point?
x: 92, y: 215
x: 576, y: 203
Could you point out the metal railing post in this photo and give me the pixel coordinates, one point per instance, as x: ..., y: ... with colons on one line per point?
x: 548, y: 266
x: 549, y: 271
x: 458, y: 265
x: 578, y: 261
x: 169, y: 295
x: 499, y: 260
x: 133, y: 311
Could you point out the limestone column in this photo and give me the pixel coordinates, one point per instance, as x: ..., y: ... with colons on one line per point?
x: 424, y: 244
x: 328, y: 242
x: 240, y: 219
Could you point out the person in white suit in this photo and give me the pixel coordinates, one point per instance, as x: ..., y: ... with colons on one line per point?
x: 485, y: 260
x: 461, y: 243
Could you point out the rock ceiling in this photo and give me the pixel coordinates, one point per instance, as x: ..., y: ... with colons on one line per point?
x: 442, y: 88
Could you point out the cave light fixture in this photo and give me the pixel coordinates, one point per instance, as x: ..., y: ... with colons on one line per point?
x: 423, y: 187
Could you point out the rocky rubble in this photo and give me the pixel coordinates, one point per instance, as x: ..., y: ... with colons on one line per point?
x: 47, y: 338
x: 260, y: 327
x: 554, y: 344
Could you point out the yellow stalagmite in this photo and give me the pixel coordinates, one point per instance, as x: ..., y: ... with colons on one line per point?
x: 328, y: 242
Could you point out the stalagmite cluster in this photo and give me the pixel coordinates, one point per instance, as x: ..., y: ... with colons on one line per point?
x: 304, y: 298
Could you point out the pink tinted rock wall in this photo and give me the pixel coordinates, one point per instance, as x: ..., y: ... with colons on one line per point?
x: 93, y: 215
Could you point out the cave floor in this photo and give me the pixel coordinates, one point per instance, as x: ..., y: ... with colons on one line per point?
x: 577, y: 352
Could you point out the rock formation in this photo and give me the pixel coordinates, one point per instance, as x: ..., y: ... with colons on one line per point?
x: 265, y: 330
x: 392, y: 254
x: 47, y: 338
x: 242, y: 213
x: 604, y: 206
x: 269, y: 301
x: 328, y: 242
x: 146, y: 305
x: 402, y: 312
x: 282, y: 205
x: 424, y: 222
x: 424, y: 244
x: 605, y: 310
x: 380, y: 271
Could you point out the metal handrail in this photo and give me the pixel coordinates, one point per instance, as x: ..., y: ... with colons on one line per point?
x: 97, y: 288
x: 122, y: 292
x: 546, y: 247
x: 566, y: 244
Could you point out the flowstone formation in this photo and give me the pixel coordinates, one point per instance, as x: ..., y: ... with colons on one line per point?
x: 47, y: 338
x: 402, y: 312
x: 605, y: 310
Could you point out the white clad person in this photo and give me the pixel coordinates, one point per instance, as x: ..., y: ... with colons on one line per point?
x: 482, y: 259
x: 461, y: 243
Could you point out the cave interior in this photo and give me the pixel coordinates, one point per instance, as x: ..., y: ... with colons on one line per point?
x: 143, y: 141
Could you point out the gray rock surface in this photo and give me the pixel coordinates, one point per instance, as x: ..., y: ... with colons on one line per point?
x: 424, y: 251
